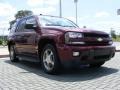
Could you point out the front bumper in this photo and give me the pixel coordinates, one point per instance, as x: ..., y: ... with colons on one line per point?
x: 87, y: 54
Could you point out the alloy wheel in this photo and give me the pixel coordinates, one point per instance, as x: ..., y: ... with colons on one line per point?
x: 48, y: 59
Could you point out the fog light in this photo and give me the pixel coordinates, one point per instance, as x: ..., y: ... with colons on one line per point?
x: 110, y: 42
x: 76, y: 53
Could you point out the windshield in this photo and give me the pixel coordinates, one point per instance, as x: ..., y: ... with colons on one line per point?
x: 56, y: 21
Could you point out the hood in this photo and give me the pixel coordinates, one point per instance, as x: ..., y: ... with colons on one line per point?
x: 82, y: 30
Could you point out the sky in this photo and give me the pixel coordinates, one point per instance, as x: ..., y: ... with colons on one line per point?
x: 94, y: 14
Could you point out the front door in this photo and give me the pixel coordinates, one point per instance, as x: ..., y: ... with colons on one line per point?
x: 29, y: 37
x: 26, y: 38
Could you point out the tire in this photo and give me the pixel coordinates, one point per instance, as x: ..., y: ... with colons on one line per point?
x: 96, y: 65
x: 12, y: 54
x: 49, y: 60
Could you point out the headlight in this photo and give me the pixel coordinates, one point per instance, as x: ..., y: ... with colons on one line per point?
x: 74, y: 35
x: 73, y: 38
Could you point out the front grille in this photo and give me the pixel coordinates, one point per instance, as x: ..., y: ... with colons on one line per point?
x: 91, y: 35
x: 92, y: 39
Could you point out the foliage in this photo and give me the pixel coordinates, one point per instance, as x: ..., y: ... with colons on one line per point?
x: 3, y: 42
x: 0, y: 42
x: 117, y: 39
x: 21, y: 14
x: 113, y: 34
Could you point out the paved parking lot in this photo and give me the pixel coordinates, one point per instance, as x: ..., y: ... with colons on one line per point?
x: 29, y: 76
x: 117, y: 45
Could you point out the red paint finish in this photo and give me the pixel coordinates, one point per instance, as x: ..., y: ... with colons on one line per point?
x: 27, y: 41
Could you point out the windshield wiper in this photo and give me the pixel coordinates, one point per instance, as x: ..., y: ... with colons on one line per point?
x: 52, y: 25
x: 68, y: 26
x: 59, y: 25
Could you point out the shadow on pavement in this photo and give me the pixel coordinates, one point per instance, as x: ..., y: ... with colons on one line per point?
x: 71, y: 75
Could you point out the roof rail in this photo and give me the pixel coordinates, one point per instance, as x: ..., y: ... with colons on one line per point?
x: 49, y: 15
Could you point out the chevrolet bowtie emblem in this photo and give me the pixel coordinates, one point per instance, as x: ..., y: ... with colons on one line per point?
x: 100, y: 39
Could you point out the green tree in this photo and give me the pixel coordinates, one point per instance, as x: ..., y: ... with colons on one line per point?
x: 21, y: 14
x: 113, y: 34
x: 0, y: 42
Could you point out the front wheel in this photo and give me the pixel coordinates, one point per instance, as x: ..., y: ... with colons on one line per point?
x: 96, y: 65
x: 12, y: 54
x: 50, y: 60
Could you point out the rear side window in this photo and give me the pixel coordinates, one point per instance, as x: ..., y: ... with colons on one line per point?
x: 21, y: 25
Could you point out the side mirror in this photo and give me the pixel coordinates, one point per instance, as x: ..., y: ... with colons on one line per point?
x: 30, y: 26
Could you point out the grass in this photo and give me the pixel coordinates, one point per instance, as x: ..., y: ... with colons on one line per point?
x: 117, y: 39
x: 3, y: 42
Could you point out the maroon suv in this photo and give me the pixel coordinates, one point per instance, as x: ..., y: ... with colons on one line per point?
x: 57, y: 42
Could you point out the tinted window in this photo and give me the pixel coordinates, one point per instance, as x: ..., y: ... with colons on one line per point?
x: 21, y: 25
x: 31, y: 21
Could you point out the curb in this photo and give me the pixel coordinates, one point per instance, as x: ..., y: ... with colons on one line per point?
x: 117, y: 50
x: 2, y: 56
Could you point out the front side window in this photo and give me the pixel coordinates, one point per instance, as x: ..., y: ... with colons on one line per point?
x: 56, y: 21
x: 31, y: 21
x: 30, y: 24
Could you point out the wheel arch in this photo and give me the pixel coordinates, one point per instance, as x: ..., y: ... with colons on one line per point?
x: 42, y: 42
x: 10, y: 43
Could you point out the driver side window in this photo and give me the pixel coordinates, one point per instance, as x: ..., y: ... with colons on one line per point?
x: 31, y: 21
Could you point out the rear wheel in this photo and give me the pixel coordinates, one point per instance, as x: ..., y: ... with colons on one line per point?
x: 12, y: 54
x: 95, y: 65
x: 50, y: 60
